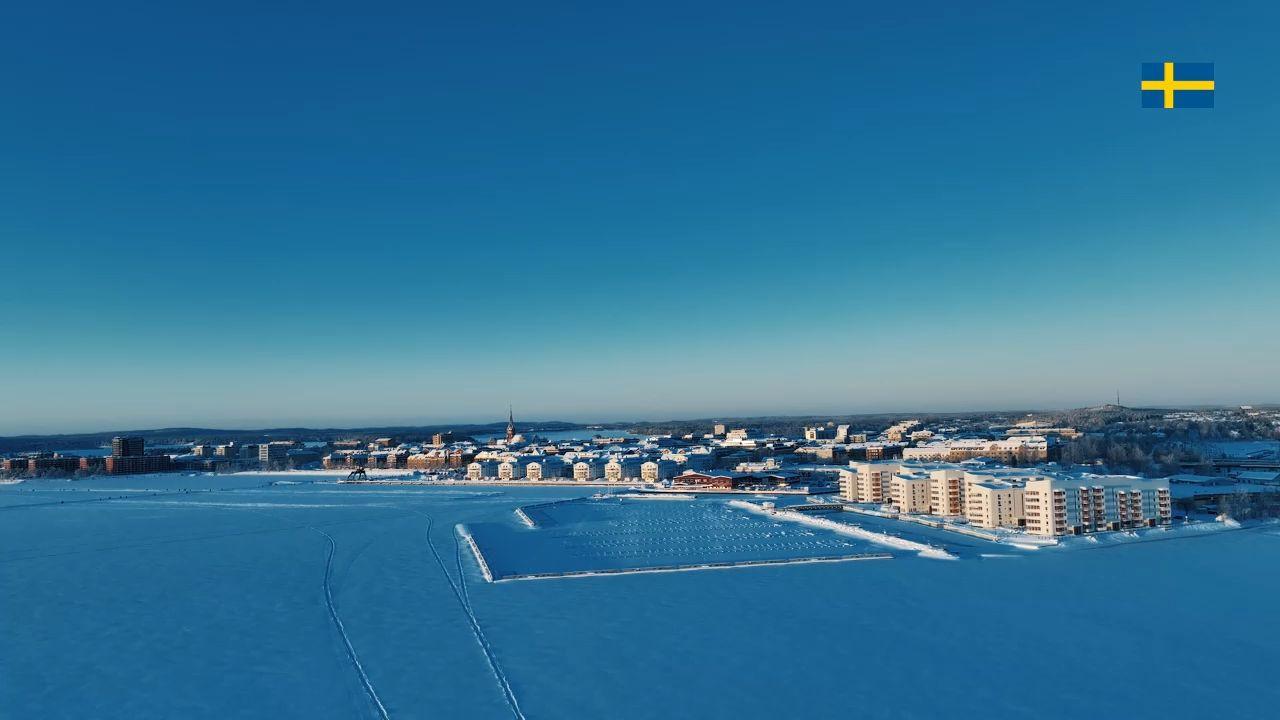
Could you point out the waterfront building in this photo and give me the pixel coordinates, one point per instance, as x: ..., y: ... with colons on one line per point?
x: 909, y: 491
x: 128, y: 446
x: 14, y: 466
x: 1091, y: 503
x: 588, y: 469
x: 946, y: 491
x: 994, y: 504
x: 623, y: 469
x: 656, y: 471
x: 52, y: 463
x: 544, y: 468
x: 137, y: 464
x: 868, y: 481
x: 482, y: 470
x: 274, y: 451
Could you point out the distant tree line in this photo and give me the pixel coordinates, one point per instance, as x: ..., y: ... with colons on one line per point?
x: 1250, y: 506
x: 1139, y: 454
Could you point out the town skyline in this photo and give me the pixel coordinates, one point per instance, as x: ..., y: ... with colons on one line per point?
x: 488, y: 422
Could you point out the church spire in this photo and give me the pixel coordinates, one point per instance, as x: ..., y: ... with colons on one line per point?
x: 511, y: 424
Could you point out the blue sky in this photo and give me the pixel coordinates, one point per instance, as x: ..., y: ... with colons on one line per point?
x: 331, y: 214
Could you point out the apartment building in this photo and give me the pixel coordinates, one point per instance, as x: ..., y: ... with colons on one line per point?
x: 534, y: 471
x: 946, y: 491
x: 868, y: 482
x: 1090, y: 503
x: 512, y: 469
x: 588, y: 470
x: 548, y: 468
x: 482, y: 470
x: 909, y: 492
x: 47, y: 463
x: 994, y: 504
x: 128, y: 447
x: 1013, y: 449
x: 275, y: 451
x: 622, y: 469
x: 656, y: 471
x: 895, y: 433
x: 137, y: 464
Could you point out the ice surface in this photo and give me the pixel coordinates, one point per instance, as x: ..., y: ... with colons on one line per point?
x: 211, y: 604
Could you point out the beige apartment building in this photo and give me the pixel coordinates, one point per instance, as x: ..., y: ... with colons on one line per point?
x: 988, y: 496
x: 588, y: 470
x: 909, y: 492
x: 511, y: 469
x: 482, y: 470
x: 868, y: 482
x: 1091, y: 503
x: 946, y: 491
x: 623, y: 469
x: 655, y: 471
x: 994, y: 504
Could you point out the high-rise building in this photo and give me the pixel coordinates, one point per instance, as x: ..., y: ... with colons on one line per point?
x: 128, y: 447
x: 273, y: 452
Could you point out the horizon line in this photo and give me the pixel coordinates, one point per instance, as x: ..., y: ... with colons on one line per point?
x: 708, y: 418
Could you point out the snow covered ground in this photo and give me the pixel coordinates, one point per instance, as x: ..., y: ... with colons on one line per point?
x: 208, y: 597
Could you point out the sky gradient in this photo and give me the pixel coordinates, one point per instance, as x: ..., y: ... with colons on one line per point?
x: 337, y: 214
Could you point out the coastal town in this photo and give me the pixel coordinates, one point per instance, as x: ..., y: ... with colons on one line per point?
x: 1010, y: 478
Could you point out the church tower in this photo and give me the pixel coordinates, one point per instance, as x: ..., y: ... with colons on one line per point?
x: 511, y: 424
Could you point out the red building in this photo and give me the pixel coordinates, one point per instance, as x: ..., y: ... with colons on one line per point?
x: 57, y: 463
x: 725, y: 480
x: 137, y: 464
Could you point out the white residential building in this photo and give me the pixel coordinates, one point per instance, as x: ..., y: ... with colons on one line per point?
x: 1014, y: 449
x: 588, y: 470
x: 482, y: 470
x: 512, y: 469
x: 1090, y: 503
x: 656, y: 471
x: 622, y: 469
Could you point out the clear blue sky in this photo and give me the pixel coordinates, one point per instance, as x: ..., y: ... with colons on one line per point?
x: 246, y: 214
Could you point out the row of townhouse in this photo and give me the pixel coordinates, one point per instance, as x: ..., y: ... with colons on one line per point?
x: 413, y: 458
x: 536, y: 468
x: 990, y: 496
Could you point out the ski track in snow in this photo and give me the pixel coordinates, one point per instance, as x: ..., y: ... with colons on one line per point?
x: 462, y: 577
x: 464, y: 601
x: 337, y: 621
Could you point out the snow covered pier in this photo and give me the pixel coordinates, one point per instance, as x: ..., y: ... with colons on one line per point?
x: 522, y: 512
x: 683, y: 568
x: 465, y: 533
x: 816, y: 507
x: 924, y: 550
